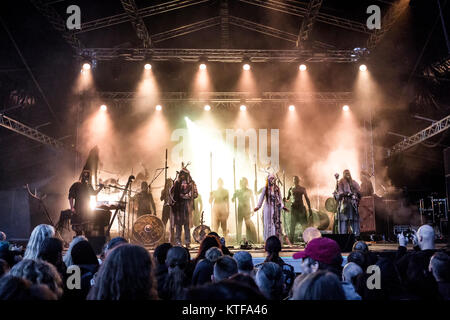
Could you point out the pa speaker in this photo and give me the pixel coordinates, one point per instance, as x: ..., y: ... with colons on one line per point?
x: 345, y: 241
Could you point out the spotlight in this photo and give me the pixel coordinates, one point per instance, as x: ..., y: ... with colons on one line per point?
x: 302, y: 67
x: 103, y: 107
x: 147, y: 66
x: 362, y: 67
x: 86, y: 66
x: 207, y: 107
x: 246, y: 66
x: 158, y: 107
x: 202, y: 66
x: 243, y: 107
x: 291, y: 107
x: 345, y: 108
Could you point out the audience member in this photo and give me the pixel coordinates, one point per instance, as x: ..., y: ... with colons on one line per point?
x: 160, y: 255
x: 321, y: 254
x: 270, y: 281
x: 113, y: 243
x: 4, y: 267
x: 39, y: 272
x: 273, y: 249
x: 369, y: 257
x: 349, y: 273
x: 176, y: 280
x: 311, y: 233
x: 209, y: 242
x: 51, y: 251
x: 68, y: 257
x: 126, y: 274
x: 244, y: 262
x: 19, y: 289
x: 39, y: 234
x: 440, y: 269
x: 83, y: 256
x: 205, y: 268
x: 223, y: 246
x: 245, y: 279
x: 413, y: 266
x: 2, y: 236
x: 224, y: 268
x: 359, y: 258
x: 320, y: 285
x: 225, y: 290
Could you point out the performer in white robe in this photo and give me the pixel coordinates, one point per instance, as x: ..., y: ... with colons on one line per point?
x: 273, y: 204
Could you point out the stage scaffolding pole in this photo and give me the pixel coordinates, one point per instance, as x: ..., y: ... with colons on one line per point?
x: 211, y: 187
x: 235, y: 202
x: 256, y: 198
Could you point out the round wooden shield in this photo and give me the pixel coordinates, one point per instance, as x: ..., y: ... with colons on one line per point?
x: 148, y: 230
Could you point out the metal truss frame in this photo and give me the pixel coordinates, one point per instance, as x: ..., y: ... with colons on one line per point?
x: 389, y: 19
x: 136, y: 20
x: 143, y: 12
x: 224, y: 24
x: 221, y: 55
x: 235, y: 97
x: 58, y: 23
x: 430, y: 131
x: 308, y: 22
x: 186, y: 29
x: 294, y: 9
x: 29, y: 132
x: 253, y: 26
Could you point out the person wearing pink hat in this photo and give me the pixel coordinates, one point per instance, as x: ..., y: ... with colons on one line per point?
x: 321, y: 254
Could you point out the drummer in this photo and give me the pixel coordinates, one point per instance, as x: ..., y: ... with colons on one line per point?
x: 144, y: 200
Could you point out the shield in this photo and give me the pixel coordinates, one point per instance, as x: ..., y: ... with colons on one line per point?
x: 148, y: 230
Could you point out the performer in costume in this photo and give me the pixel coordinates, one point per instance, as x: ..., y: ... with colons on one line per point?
x: 348, y: 194
x: 165, y: 216
x: 245, y: 204
x: 298, y: 210
x: 145, y: 202
x: 183, y: 193
x: 273, y: 204
x: 79, y: 199
x: 220, y: 199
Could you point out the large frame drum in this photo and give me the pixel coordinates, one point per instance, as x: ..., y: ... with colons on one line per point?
x: 148, y: 230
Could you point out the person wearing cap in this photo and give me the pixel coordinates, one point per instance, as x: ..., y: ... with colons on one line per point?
x: 321, y: 254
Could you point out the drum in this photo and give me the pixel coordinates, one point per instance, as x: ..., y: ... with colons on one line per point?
x: 148, y: 230
x: 200, y: 232
x: 321, y: 220
x: 331, y: 205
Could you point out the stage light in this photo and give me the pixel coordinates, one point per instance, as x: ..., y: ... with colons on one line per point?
x: 246, y: 66
x: 302, y: 67
x: 243, y: 107
x: 202, y: 66
x: 147, y: 66
x: 158, y: 107
x: 103, y: 107
x: 345, y: 108
x: 291, y: 107
x: 86, y: 66
x: 207, y: 107
x: 362, y: 67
